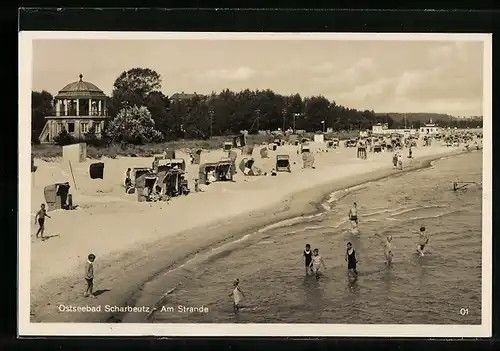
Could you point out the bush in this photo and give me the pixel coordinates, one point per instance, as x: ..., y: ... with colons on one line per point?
x: 64, y: 138
x: 133, y: 125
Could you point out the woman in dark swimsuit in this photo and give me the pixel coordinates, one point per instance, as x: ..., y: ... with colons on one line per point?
x: 308, y: 257
x: 350, y: 257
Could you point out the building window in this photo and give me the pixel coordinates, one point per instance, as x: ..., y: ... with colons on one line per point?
x: 97, y: 127
x: 71, y: 127
x: 84, y: 127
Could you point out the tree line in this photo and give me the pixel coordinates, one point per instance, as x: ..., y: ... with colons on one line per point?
x: 140, y: 113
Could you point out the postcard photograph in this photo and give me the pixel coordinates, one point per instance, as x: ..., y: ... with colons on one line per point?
x: 209, y: 184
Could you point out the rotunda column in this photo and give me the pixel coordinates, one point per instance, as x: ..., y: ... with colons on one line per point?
x: 90, y: 107
x: 99, y: 107
x: 65, y: 107
x: 78, y: 107
x: 58, y: 107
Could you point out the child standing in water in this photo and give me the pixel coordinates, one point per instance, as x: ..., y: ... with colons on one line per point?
x: 237, y: 295
x: 316, y: 263
x: 423, y: 240
x: 308, y: 257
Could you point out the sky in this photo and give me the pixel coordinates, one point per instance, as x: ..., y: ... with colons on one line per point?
x: 384, y: 76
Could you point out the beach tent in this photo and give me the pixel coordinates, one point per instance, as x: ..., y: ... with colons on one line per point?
x: 156, y: 159
x: 283, y: 163
x: 377, y: 147
x: 75, y: 152
x: 239, y: 141
x: 203, y: 171
x: 247, y: 163
x: 224, y: 169
x: 170, y: 153
x: 304, y: 148
x: 307, y: 159
x: 264, y: 153
x: 139, y: 171
x: 171, y: 182
x: 56, y: 195
x: 145, y: 181
x: 319, y: 138
x: 167, y: 164
x: 96, y: 170
x: 227, y: 146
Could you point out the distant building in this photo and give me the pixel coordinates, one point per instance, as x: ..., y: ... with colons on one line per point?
x: 182, y: 96
x: 430, y: 129
x: 79, y: 106
x: 383, y: 129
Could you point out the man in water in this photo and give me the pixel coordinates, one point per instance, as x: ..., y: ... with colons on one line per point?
x: 388, y: 250
x: 350, y: 257
x: 316, y: 263
x: 237, y: 295
x: 353, y: 216
x: 308, y: 257
x: 423, y: 240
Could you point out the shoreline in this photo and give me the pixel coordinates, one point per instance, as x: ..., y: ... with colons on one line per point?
x: 129, y: 272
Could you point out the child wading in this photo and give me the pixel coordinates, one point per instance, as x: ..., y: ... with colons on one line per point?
x: 237, y: 295
x: 40, y: 215
x: 89, y: 276
x: 316, y: 263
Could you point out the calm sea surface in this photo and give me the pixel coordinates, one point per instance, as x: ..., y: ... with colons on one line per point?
x: 415, y: 290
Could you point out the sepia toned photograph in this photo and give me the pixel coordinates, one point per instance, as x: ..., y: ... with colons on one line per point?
x: 255, y: 184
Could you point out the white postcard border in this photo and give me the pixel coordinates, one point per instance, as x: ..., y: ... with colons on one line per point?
x: 26, y: 328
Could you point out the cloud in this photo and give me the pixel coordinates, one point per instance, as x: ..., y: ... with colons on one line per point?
x: 238, y: 74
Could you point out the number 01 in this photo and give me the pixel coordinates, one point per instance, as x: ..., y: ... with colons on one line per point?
x: 464, y: 311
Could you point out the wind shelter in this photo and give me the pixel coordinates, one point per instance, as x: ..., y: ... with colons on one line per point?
x: 56, y: 196
x: 283, y: 163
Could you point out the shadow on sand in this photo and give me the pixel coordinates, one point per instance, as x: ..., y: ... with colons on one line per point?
x: 100, y: 292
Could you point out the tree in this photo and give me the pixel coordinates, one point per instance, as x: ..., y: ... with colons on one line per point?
x: 133, y: 87
x: 41, y: 106
x: 133, y: 125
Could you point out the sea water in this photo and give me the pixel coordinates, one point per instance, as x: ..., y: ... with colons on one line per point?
x: 434, y: 289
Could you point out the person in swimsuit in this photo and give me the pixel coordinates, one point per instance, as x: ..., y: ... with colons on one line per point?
x: 308, y: 257
x: 353, y: 216
x: 237, y: 295
x: 388, y: 250
x: 40, y: 216
x: 316, y: 263
x: 423, y: 240
x: 350, y: 257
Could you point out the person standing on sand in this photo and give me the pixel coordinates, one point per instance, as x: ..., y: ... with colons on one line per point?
x: 89, y: 276
x: 40, y: 216
x: 237, y: 295
x: 400, y: 162
x: 128, y: 180
x: 395, y: 160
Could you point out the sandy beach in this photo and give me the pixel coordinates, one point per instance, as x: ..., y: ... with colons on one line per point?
x: 135, y: 241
